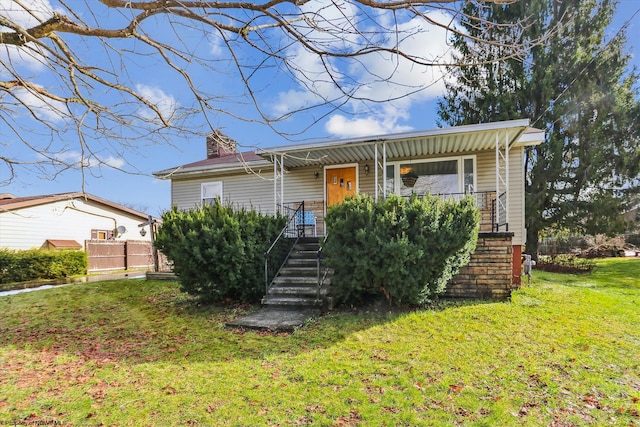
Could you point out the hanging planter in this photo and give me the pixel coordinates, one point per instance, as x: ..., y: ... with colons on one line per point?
x: 409, y: 179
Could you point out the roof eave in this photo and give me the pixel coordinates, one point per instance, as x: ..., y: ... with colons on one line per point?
x: 484, y: 127
x: 211, y: 170
x: 531, y: 137
x: 71, y: 196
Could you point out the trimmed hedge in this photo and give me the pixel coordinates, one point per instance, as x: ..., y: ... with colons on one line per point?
x: 404, y: 250
x: 34, y: 264
x: 217, y: 252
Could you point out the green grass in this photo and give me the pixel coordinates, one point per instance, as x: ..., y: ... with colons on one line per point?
x: 565, y: 351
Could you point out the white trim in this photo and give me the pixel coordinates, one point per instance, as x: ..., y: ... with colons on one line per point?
x: 215, y: 192
x: 474, y: 158
x: 484, y: 127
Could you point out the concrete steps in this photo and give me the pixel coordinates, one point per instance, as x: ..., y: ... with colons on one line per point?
x: 295, y: 287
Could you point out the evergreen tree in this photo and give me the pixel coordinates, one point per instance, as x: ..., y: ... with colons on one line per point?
x: 576, y: 85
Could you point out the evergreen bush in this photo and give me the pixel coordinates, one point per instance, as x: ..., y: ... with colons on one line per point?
x: 33, y: 264
x: 218, y: 252
x: 403, y: 249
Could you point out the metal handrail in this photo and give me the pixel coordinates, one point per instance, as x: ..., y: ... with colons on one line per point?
x: 498, y: 203
x: 321, y: 275
x: 288, y: 231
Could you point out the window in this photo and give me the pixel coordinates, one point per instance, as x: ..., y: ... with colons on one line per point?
x: 101, y: 234
x: 210, y: 191
x: 469, y: 176
x: 439, y: 177
x: 442, y: 176
x: 390, y: 186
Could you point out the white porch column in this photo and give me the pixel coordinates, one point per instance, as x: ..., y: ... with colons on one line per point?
x: 502, y: 182
x: 278, y: 183
x: 380, y: 170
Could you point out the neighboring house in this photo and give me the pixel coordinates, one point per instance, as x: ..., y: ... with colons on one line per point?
x: 66, y: 221
x: 485, y: 160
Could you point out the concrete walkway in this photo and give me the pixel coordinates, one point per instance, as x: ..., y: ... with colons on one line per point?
x: 275, y: 319
x: 51, y: 284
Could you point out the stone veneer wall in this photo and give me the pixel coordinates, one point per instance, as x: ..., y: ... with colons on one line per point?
x: 489, y: 272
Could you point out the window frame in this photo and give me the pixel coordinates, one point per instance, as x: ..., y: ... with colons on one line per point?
x: 460, y: 170
x: 209, y: 185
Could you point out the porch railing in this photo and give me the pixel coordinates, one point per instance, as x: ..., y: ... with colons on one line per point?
x: 282, y: 246
x: 499, y: 213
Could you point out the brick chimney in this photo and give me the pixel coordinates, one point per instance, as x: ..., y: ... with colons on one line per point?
x: 219, y: 144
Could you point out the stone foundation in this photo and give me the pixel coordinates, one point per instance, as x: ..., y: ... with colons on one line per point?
x: 489, y: 272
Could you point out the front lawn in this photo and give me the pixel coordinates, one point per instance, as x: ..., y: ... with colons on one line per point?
x: 565, y: 351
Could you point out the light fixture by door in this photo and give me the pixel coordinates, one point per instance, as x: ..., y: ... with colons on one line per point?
x: 366, y: 169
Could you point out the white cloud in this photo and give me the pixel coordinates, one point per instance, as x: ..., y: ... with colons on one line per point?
x: 166, y: 104
x: 26, y: 13
x: 216, y: 44
x: 43, y: 108
x: 383, y: 86
x: 340, y: 125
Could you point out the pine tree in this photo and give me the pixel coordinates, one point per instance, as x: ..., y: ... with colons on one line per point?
x: 577, y: 86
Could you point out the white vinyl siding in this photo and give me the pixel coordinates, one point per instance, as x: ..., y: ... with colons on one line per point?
x: 30, y: 227
x: 243, y: 190
x: 301, y: 184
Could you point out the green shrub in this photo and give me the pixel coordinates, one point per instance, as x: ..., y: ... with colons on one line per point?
x: 565, y: 263
x: 33, y: 264
x: 218, y: 252
x: 406, y: 250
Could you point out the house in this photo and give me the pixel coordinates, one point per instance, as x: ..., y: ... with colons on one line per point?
x: 77, y: 221
x: 484, y: 160
x: 50, y: 220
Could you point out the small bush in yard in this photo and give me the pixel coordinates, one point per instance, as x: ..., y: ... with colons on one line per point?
x: 32, y: 264
x: 565, y: 264
x: 218, y: 252
x: 406, y: 250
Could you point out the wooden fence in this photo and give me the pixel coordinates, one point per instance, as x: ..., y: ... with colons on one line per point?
x: 109, y: 255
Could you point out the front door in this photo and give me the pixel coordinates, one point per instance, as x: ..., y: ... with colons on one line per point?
x: 341, y: 182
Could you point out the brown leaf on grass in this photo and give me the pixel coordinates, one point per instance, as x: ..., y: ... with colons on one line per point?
x: 169, y: 389
x: 591, y: 401
x: 455, y: 388
x: 524, y: 409
x: 318, y: 409
x: 353, y: 419
x: 374, y: 390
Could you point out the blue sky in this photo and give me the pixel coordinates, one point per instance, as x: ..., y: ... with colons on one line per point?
x: 142, y: 191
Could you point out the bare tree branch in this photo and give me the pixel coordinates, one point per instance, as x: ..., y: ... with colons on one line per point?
x: 66, y: 82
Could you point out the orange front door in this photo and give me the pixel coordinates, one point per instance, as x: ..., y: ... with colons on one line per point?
x: 341, y: 182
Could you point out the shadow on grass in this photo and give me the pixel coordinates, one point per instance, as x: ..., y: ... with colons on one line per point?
x: 135, y: 321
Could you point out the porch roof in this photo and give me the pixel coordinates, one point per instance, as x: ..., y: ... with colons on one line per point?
x: 453, y: 140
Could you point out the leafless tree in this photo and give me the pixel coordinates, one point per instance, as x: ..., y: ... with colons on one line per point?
x: 71, y: 96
